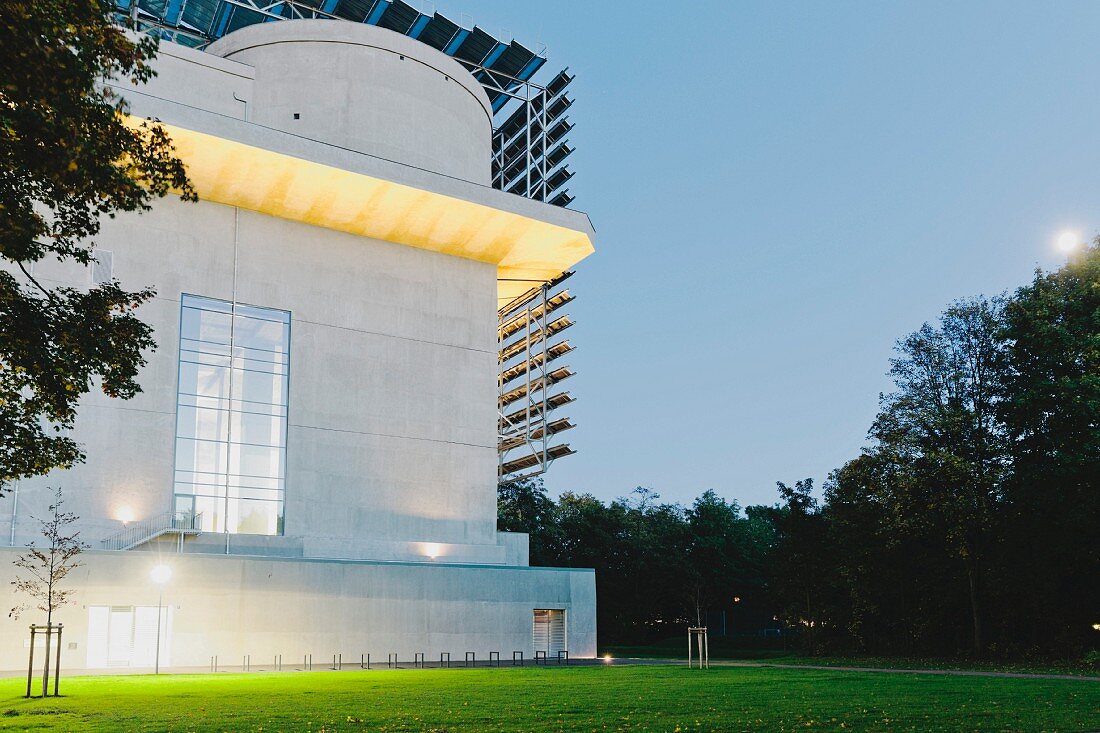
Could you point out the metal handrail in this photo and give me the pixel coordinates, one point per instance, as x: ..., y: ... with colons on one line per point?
x: 153, y: 527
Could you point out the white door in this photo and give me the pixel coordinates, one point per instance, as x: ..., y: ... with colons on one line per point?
x: 120, y: 636
x: 548, y: 631
x: 126, y: 636
x: 145, y: 638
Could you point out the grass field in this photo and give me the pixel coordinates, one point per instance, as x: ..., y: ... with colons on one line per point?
x: 556, y: 699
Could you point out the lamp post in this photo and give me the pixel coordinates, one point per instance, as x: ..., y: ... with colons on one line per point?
x: 160, y: 575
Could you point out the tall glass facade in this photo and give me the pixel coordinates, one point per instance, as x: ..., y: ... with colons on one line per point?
x: 231, y: 415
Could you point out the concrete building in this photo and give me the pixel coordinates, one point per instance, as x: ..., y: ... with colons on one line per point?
x: 315, y: 452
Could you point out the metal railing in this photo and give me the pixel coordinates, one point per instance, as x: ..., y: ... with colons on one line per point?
x: 138, y: 533
x: 394, y: 660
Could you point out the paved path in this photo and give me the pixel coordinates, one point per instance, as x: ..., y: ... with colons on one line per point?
x: 956, y: 672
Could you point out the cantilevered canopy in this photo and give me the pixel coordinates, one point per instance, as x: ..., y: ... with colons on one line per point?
x: 526, y: 247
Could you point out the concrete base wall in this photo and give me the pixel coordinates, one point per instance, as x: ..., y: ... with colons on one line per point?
x: 236, y: 606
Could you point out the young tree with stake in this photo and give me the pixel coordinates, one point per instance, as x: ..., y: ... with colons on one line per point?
x: 43, y: 571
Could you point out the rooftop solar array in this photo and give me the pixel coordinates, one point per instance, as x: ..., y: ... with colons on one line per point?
x: 529, y: 145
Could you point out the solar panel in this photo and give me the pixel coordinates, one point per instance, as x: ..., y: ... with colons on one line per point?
x: 476, y: 46
x: 502, y: 68
x: 356, y: 10
x: 438, y: 32
x: 399, y: 17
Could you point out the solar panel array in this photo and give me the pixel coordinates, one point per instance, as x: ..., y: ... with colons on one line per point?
x: 529, y: 142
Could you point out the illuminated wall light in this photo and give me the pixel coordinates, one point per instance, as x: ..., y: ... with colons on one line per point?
x: 124, y: 514
x: 432, y: 550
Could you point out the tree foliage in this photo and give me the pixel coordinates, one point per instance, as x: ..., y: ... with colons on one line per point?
x: 941, y: 431
x: 970, y: 520
x: 1051, y: 411
x: 658, y: 564
x: 69, y: 155
x: 968, y: 524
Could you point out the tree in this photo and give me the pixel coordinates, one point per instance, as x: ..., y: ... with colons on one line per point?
x: 69, y: 154
x: 941, y: 426
x: 893, y: 587
x: 523, y: 506
x: 716, y: 556
x: 46, y: 569
x: 1051, y: 408
x: 654, y: 563
x: 800, y: 561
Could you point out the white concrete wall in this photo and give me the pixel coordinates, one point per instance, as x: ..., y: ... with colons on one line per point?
x: 367, y: 89
x: 196, y: 79
x: 392, y: 421
x: 225, y: 606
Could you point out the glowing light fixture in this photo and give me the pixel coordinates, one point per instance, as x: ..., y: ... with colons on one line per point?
x: 161, y: 574
x: 432, y: 550
x: 124, y: 514
x: 607, y: 658
x: 523, y: 248
x: 1068, y: 241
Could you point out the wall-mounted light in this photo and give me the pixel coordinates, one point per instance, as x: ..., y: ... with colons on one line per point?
x: 432, y: 550
x: 124, y: 514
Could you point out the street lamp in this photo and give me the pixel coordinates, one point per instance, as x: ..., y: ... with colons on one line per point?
x: 160, y: 575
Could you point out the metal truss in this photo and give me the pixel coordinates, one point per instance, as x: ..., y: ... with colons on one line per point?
x: 283, y: 10
x: 527, y: 378
x: 529, y: 148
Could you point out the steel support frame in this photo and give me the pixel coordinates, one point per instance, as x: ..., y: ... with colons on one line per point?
x: 528, y: 94
x: 535, y: 99
x: 535, y: 338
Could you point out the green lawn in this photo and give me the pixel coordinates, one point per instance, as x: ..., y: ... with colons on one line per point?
x: 555, y: 699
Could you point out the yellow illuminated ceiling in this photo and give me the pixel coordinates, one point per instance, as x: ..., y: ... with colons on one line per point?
x: 236, y: 174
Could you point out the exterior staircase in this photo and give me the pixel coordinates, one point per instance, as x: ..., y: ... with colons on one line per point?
x: 183, y: 524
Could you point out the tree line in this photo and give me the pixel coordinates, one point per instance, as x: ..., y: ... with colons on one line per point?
x: 970, y: 522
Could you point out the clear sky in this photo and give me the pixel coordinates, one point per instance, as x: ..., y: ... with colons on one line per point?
x: 780, y: 191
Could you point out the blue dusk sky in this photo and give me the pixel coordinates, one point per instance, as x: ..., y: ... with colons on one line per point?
x: 780, y: 191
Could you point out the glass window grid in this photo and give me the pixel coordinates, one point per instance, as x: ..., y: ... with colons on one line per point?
x: 222, y: 351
